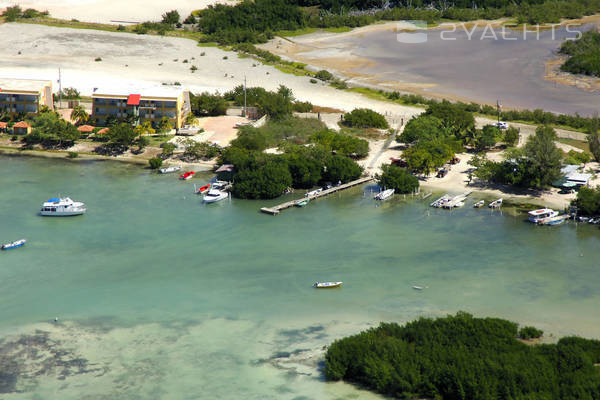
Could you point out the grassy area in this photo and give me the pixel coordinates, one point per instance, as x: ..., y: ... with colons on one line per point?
x: 377, y: 95
x: 157, y: 140
x: 297, y: 32
x: 580, y: 144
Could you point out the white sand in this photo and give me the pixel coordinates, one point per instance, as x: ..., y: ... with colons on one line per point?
x: 108, y: 11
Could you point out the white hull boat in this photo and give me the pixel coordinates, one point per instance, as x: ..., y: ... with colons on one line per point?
x: 13, y: 245
x: 327, y: 285
x: 539, y: 216
x: 495, y: 204
x: 386, y: 194
x: 479, y: 204
x: 169, y: 170
x: 214, y: 195
x: 62, y: 207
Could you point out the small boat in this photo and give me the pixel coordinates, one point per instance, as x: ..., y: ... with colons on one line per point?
x: 327, y: 285
x: 554, y: 220
x: 495, y: 204
x: 187, y: 175
x: 168, y: 170
x: 214, y: 195
x: 62, y: 207
x: 386, y: 194
x: 302, y: 203
x: 419, y: 287
x: 13, y: 245
x: 220, y: 185
x: 202, y: 189
x: 538, y: 216
x: 313, y: 192
x: 479, y: 204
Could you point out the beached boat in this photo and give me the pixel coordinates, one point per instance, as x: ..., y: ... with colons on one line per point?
x: 168, y: 170
x: 302, y: 203
x: 187, y: 175
x: 327, y: 285
x: 479, y: 204
x: 554, y: 220
x: 386, y: 194
x: 13, y: 245
x: 62, y: 207
x: 313, y: 192
x: 495, y: 204
x: 214, y: 195
x: 538, y: 216
x: 202, y: 189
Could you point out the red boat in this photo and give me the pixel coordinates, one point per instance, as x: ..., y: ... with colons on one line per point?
x: 202, y: 189
x: 187, y: 175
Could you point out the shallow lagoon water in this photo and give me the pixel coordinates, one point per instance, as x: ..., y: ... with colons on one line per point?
x: 168, y: 298
x: 479, y: 65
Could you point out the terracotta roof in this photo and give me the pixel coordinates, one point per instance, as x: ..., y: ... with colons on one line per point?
x: 3, y: 125
x: 21, y: 124
x: 85, y: 128
x: 102, y: 131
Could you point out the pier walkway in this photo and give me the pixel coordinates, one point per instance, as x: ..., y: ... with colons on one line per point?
x: 276, y: 209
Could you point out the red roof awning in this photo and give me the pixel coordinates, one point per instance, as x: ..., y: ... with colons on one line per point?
x: 133, y: 100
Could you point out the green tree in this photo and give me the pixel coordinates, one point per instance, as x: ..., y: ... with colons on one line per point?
x: 594, y: 139
x: 171, y: 17
x: 365, y: 118
x: 121, y: 137
x: 267, y: 179
x: 324, y: 75
x: 588, y: 201
x: 486, y: 138
x: 206, y: 104
x: 511, y: 136
x: 456, y: 119
x: 339, y: 168
x: 394, y: 177
x: 12, y: 13
x: 544, y: 157
x: 165, y: 125
x: 305, y: 171
x: 79, y: 115
x: 50, y: 130
x: 167, y: 150
x: 422, y: 127
x: 155, y: 162
x: 426, y: 156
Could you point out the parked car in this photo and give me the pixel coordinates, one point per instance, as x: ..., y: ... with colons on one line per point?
x: 398, y: 162
x: 442, y: 172
x: 501, y: 125
x: 455, y: 160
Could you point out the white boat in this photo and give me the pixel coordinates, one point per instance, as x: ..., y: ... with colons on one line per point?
x: 439, y: 203
x: 554, y: 220
x: 214, y: 195
x: 418, y: 287
x: 219, y: 185
x: 479, y: 204
x: 62, y: 207
x: 13, y: 245
x: 313, y: 192
x: 495, y: 204
x: 386, y: 194
x: 327, y: 285
x: 168, y: 170
x: 538, y: 216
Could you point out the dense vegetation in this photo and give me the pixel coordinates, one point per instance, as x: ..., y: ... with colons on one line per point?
x: 256, y: 21
x: 587, y: 201
x: 276, y: 105
x: 537, y: 165
x: 462, y: 357
x: 206, y: 104
x: 397, y: 178
x: 584, y: 54
x: 51, y: 131
x: 11, y: 14
x: 365, y: 118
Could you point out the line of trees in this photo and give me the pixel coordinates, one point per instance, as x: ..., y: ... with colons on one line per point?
x: 463, y: 357
x: 588, y: 201
x: 584, y: 54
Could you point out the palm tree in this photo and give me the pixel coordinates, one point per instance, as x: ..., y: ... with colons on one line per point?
x: 79, y: 115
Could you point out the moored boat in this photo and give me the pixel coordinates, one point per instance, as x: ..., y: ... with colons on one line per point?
x: 168, y: 170
x: 202, y: 189
x: 13, y: 245
x: 538, y: 216
x: 327, y: 285
x: 313, y: 192
x: 554, y: 220
x: 187, y: 175
x: 495, y: 204
x: 302, y: 203
x: 386, y: 194
x: 62, y: 207
x: 479, y: 204
x: 214, y: 195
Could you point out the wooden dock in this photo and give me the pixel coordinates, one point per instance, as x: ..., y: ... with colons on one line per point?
x: 276, y: 209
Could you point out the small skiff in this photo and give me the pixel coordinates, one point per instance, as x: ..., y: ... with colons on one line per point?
x: 302, y: 203
x: 327, y: 285
x: 495, y: 204
x: 168, y: 170
x: 187, y: 175
x: 202, y: 189
x: 13, y: 245
x: 479, y: 204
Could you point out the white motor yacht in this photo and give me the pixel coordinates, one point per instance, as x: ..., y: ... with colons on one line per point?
x: 214, y: 195
x: 62, y: 207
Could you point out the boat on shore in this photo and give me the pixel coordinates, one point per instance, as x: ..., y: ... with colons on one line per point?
x: 313, y: 192
x: 13, y: 245
x: 439, y: 203
x: 202, y: 189
x: 327, y: 285
x: 187, y: 175
x: 214, y: 195
x: 554, y: 220
x: 479, y: 204
x: 495, y: 204
x: 386, y: 194
x: 538, y: 216
x: 302, y: 202
x: 62, y: 207
x: 168, y: 170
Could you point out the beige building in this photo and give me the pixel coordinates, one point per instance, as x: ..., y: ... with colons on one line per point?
x: 151, y: 106
x: 24, y: 95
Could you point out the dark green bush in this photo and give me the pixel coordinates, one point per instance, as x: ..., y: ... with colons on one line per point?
x: 365, y: 118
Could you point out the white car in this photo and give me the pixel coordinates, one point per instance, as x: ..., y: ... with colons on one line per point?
x: 501, y: 125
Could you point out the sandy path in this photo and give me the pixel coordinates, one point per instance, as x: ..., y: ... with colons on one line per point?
x: 107, y: 11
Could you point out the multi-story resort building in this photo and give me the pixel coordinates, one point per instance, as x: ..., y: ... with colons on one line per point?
x: 151, y: 106
x: 24, y: 95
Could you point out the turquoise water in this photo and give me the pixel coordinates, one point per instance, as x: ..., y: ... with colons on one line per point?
x: 170, y: 298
